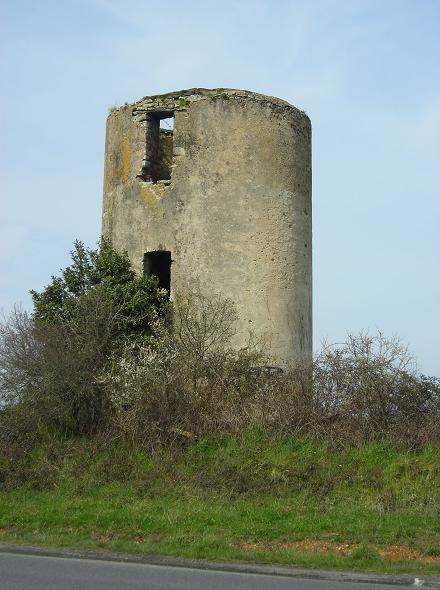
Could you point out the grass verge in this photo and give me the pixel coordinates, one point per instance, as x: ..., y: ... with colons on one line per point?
x: 250, y: 498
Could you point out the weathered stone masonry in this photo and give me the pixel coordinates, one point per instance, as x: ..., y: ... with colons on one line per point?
x: 225, y: 195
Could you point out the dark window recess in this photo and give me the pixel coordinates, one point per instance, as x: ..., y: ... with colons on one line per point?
x: 159, y: 147
x: 159, y: 264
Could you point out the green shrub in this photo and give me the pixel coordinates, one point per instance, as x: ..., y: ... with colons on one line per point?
x: 101, y: 281
x: 50, y: 361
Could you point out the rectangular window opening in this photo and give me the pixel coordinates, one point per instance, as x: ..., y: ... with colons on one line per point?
x: 159, y: 147
x: 158, y: 264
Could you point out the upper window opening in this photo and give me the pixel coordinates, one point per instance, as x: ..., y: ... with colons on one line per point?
x: 159, y: 147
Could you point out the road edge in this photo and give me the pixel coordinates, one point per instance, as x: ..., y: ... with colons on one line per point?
x: 234, y: 567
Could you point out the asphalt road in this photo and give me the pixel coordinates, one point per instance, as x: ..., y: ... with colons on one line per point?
x: 31, y: 572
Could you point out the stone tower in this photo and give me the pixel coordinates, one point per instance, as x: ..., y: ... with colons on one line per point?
x: 213, y: 188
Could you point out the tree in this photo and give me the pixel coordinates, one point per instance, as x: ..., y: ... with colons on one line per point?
x: 101, y: 279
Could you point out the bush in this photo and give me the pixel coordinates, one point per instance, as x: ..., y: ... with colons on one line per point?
x: 187, y: 381
x: 191, y: 383
x: 101, y: 281
x: 368, y: 389
x: 98, y: 358
x: 49, y: 361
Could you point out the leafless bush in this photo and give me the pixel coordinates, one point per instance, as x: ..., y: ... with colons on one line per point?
x: 368, y: 389
x: 181, y: 385
x: 184, y: 386
x: 49, y: 370
x: 188, y: 382
x: 19, y: 353
x: 203, y: 325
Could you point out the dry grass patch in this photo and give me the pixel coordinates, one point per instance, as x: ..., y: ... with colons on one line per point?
x: 386, y: 552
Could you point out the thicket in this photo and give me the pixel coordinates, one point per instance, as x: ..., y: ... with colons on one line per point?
x: 103, y: 355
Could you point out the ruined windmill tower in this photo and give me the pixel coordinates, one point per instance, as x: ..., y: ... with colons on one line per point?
x: 213, y: 188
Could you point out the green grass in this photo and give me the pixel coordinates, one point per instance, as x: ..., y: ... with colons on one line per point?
x: 247, y: 498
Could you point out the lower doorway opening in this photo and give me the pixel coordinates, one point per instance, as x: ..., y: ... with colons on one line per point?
x: 158, y: 264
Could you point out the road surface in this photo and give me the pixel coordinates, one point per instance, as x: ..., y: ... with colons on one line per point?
x: 35, y: 572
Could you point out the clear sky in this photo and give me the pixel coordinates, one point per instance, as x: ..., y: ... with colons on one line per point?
x: 366, y: 71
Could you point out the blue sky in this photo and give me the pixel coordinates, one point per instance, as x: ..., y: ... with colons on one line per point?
x: 365, y: 71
